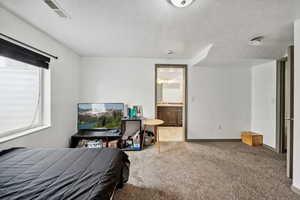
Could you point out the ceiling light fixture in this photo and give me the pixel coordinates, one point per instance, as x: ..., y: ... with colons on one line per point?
x: 256, y: 41
x: 167, y: 81
x: 170, y: 52
x: 181, y: 3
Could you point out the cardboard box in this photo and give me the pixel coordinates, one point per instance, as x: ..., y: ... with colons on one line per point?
x: 252, y: 139
x: 113, y: 144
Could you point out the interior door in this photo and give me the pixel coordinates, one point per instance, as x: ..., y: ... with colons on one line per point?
x: 289, y: 111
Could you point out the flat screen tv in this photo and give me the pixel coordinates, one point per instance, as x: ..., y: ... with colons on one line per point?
x: 100, y: 115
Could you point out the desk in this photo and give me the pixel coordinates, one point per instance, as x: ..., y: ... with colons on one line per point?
x: 107, y: 135
x: 154, y: 123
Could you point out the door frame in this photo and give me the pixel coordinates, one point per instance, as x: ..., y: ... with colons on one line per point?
x: 280, y: 109
x: 290, y: 145
x: 280, y: 104
x: 184, y: 67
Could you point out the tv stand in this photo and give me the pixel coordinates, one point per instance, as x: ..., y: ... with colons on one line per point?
x: 111, y: 135
x: 91, y: 134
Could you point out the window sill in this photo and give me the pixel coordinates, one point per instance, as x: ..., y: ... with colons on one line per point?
x: 23, y: 133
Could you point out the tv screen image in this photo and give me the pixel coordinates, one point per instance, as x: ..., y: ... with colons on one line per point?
x: 100, y: 115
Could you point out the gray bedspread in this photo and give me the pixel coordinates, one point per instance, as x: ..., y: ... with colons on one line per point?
x: 59, y: 174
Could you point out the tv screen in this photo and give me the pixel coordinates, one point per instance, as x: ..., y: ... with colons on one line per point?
x: 100, y: 115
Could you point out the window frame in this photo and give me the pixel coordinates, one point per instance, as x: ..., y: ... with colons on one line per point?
x: 41, y: 124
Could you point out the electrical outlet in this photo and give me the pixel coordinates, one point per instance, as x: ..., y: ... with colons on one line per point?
x: 220, y: 127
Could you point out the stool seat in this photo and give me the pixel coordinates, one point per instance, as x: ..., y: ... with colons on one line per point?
x: 153, y: 122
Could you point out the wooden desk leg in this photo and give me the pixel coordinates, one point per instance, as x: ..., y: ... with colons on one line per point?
x: 157, y: 138
x: 144, y: 137
x: 155, y: 133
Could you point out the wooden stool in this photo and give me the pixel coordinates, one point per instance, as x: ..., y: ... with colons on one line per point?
x: 154, y: 123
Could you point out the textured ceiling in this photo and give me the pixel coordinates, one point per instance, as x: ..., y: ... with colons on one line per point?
x: 148, y: 28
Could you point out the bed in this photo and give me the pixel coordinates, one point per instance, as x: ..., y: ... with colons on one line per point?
x: 73, y: 174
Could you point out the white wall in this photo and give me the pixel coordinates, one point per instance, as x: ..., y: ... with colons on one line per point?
x: 64, y: 84
x: 217, y: 96
x: 219, y: 102
x: 296, y: 179
x: 126, y: 80
x: 263, y: 109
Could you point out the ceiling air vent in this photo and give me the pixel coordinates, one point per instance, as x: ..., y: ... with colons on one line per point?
x: 56, y: 8
x: 61, y: 13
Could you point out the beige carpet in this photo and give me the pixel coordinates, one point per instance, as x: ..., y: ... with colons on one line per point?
x: 207, y: 171
x: 170, y: 134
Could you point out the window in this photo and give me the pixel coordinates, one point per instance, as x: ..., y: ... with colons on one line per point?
x: 21, y: 97
x: 24, y: 89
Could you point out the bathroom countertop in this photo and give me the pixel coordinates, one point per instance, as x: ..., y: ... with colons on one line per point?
x: 170, y: 105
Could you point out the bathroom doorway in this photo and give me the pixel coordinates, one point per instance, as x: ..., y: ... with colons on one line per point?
x: 171, y: 101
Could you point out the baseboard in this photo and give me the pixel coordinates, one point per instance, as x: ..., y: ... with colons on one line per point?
x: 213, y: 140
x: 296, y: 190
x: 269, y: 147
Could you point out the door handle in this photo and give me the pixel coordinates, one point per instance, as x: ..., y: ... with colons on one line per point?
x: 290, y: 119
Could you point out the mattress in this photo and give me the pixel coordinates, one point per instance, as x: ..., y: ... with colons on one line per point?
x: 52, y: 174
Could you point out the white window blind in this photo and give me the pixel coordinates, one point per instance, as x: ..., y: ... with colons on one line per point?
x: 20, y: 96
